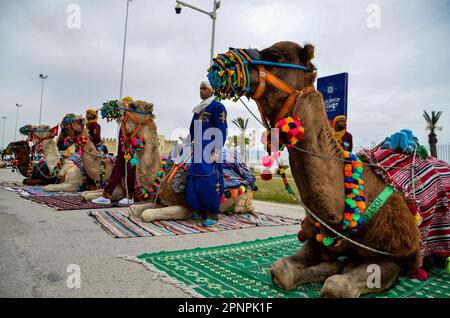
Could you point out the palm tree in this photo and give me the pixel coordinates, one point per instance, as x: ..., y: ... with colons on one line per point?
x: 432, y: 127
x: 241, y: 123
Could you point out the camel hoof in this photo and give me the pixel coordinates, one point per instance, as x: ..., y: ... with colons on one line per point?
x: 147, y: 216
x: 282, y: 273
x: 136, y: 211
x: 338, y: 286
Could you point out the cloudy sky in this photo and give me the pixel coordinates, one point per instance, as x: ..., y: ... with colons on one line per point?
x: 395, y: 71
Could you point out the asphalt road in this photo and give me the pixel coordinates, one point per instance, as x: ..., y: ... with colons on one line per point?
x: 37, y: 245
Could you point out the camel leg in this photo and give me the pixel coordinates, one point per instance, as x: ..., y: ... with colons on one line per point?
x: 73, y: 180
x: 176, y: 212
x: 244, y: 204
x: 88, y: 196
x: 304, y: 266
x: 362, y: 279
x: 137, y: 209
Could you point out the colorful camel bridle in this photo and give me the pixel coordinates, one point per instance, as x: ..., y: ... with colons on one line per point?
x: 32, y: 133
x: 230, y: 78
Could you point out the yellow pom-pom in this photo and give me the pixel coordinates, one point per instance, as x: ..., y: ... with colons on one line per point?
x: 418, y: 218
x: 285, y: 128
x: 289, y: 120
x: 294, y: 140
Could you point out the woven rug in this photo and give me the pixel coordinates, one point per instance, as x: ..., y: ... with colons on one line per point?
x: 65, y: 202
x: 120, y: 225
x: 11, y: 185
x: 242, y: 270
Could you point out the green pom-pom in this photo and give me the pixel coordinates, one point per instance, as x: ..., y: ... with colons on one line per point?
x: 227, y: 194
x: 355, y: 192
x: 422, y: 152
x: 327, y: 241
x: 350, y: 203
x: 356, y: 217
x: 159, y: 173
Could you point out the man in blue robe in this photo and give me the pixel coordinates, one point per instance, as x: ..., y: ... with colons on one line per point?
x: 208, y: 132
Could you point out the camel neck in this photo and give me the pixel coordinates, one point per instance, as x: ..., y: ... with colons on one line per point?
x: 149, y: 158
x: 320, y: 181
x: 24, y: 161
x: 50, y: 152
x: 91, y: 157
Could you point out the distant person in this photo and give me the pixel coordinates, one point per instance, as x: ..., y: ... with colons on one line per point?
x: 95, y: 129
x: 341, y: 134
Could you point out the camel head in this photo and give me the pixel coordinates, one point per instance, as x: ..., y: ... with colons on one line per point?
x: 134, y: 114
x: 38, y: 133
x: 73, y: 125
x: 19, y: 148
x: 245, y: 80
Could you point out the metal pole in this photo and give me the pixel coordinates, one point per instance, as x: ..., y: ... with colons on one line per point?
x: 42, y: 94
x: 122, y: 71
x: 124, y: 46
x: 17, y: 121
x: 3, y: 134
x: 213, y: 17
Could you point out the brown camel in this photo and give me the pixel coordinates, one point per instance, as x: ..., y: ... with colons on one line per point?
x: 321, y: 186
x: 33, y: 175
x: 171, y: 205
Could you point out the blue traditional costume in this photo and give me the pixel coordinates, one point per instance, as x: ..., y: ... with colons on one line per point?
x: 205, y: 184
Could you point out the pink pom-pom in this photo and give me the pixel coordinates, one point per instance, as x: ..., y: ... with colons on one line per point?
x: 222, y: 198
x: 276, y: 154
x: 267, y: 161
x: 281, y: 122
x: 264, y: 139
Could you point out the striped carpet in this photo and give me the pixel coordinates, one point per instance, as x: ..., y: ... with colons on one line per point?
x: 120, y: 225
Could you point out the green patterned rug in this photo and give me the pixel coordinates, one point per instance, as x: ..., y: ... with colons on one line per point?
x: 241, y: 270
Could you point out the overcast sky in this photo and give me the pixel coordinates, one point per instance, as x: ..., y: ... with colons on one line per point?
x: 395, y: 71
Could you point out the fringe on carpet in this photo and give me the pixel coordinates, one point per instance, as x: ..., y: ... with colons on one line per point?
x: 162, y: 276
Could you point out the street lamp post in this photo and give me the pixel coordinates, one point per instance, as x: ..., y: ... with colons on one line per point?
x: 123, y: 68
x: 3, y: 134
x: 212, y: 15
x: 17, y: 121
x: 123, y: 52
x: 43, y: 77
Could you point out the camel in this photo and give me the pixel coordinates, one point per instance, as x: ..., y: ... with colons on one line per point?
x: 91, y: 157
x: 69, y: 174
x: 321, y: 186
x: 37, y: 175
x: 171, y: 206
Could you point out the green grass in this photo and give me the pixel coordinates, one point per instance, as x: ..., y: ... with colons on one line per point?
x: 274, y: 191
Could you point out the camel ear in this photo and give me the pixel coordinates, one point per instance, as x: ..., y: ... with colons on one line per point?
x: 307, y: 53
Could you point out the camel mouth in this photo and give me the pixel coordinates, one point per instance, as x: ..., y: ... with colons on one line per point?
x: 230, y: 73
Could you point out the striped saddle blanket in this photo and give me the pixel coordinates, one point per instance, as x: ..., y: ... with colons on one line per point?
x: 430, y: 192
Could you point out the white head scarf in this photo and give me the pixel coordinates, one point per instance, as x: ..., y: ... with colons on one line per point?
x: 204, y: 103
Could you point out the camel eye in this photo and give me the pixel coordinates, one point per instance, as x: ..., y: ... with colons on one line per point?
x: 271, y: 55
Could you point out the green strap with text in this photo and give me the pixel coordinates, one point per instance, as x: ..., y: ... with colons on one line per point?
x: 377, y: 203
